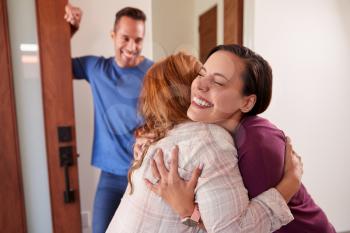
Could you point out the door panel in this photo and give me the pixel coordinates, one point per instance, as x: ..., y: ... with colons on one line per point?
x: 57, y: 88
x: 207, y: 32
x: 233, y: 22
x: 11, y: 191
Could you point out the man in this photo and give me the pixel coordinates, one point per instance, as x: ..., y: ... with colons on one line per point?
x: 115, y: 83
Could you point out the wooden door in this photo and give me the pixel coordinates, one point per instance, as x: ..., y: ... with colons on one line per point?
x: 233, y: 22
x: 57, y: 89
x: 207, y: 32
x: 12, y: 211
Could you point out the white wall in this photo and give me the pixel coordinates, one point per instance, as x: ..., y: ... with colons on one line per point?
x: 308, y: 46
x: 173, y: 27
x: 93, y: 38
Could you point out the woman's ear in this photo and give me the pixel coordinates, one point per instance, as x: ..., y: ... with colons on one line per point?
x: 248, y: 104
x: 112, y: 34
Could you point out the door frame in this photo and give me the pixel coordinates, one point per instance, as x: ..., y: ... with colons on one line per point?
x: 11, y: 192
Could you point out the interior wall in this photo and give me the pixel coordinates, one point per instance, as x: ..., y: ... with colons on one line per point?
x: 93, y: 38
x: 307, y: 45
x: 172, y: 32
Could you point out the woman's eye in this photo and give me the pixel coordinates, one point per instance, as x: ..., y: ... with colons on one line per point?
x: 218, y: 83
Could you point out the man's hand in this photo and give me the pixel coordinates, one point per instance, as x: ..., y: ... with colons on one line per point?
x: 73, y: 16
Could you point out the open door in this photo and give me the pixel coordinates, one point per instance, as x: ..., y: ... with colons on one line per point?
x: 11, y: 191
x: 57, y: 89
x: 56, y: 78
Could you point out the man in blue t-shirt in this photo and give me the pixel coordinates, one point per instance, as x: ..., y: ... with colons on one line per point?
x: 115, y: 83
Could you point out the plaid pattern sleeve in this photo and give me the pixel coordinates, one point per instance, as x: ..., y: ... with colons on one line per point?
x: 222, y: 198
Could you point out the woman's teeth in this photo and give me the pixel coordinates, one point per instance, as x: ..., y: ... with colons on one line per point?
x: 201, y: 102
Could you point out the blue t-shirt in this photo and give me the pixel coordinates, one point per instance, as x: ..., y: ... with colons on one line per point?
x: 115, y: 92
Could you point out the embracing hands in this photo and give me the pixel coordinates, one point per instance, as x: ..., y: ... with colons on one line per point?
x: 178, y: 193
x: 293, y: 171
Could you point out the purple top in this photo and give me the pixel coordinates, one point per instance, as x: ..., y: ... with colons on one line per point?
x: 261, y: 148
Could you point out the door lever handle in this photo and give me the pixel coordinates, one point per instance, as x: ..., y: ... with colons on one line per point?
x: 66, y: 160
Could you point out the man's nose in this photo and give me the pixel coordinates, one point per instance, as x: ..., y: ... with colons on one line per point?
x: 131, y: 46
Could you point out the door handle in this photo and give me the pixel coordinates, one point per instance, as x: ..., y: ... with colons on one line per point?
x: 66, y: 160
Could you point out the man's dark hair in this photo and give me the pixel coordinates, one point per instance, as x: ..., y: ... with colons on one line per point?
x: 131, y: 12
x: 256, y: 77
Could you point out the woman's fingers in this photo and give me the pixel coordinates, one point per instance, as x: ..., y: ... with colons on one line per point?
x: 155, y: 171
x: 288, y: 158
x: 160, y: 164
x: 142, y: 141
x: 137, y: 151
x: 152, y: 187
x: 289, y: 147
x: 195, y: 176
x: 298, y: 164
x: 174, y: 173
x: 293, y: 164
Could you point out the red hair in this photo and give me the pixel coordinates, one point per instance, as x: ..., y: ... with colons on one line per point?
x: 165, y: 98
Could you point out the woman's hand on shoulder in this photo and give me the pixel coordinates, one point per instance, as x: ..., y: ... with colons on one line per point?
x: 293, y: 171
x: 140, y: 143
x: 175, y: 191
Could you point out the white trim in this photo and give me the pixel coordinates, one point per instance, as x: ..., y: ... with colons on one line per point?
x: 248, y: 23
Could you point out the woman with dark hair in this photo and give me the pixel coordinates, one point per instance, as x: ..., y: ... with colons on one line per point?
x: 234, y: 85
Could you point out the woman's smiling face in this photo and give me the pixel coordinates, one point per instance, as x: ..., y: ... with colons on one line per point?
x: 216, y: 93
